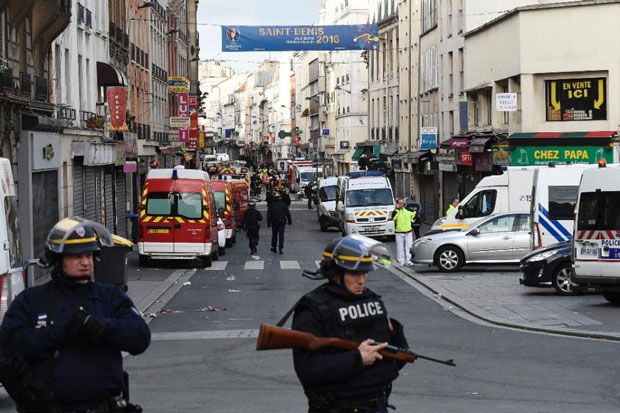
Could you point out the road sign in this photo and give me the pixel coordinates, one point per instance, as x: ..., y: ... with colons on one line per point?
x: 428, y: 138
x: 325, y: 132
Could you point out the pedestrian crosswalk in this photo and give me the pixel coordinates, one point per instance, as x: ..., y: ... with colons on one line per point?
x: 260, y: 265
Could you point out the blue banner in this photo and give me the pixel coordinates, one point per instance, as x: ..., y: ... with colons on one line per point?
x: 291, y: 38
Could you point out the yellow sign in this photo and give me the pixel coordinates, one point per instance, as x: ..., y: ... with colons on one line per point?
x: 178, y: 84
x: 576, y: 99
x: 201, y: 139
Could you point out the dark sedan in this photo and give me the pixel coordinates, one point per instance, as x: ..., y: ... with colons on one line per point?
x: 549, y: 267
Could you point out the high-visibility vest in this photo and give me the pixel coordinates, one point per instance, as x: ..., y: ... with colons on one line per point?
x: 403, y: 220
x: 450, y: 209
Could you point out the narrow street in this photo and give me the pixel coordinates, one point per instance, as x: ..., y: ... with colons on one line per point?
x: 202, y: 360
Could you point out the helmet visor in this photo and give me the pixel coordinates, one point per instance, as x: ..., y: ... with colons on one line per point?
x: 58, y: 237
x: 357, y: 252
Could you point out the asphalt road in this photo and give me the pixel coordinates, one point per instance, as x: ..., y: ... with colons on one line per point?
x: 205, y: 361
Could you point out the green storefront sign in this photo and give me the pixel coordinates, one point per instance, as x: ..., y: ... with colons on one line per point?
x: 542, y: 155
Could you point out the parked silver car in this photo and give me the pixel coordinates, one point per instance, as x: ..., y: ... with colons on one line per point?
x: 499, y: 238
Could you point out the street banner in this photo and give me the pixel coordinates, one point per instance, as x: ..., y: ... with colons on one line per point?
x: 193, y: 139
x: 117, y: 103
x: 193, y: 111
x: 291, y: 38
x: 183, y: 99
x: 201, y: 139
x: 177, y: 84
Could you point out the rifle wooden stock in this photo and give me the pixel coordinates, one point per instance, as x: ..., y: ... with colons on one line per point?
x: 277, y: 338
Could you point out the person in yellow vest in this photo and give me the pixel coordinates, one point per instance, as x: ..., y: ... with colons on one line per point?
x: 403, y: 220
x: 453, y: 204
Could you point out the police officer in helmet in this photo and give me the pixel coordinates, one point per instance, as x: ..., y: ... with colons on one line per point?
x: 335, y: 380
x: 68, y: 334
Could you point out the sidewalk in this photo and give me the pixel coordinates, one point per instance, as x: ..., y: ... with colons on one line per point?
x: 496, y: 297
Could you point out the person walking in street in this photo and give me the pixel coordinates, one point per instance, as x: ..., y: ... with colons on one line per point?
x: 403, y: 225
x: 335, y: 380
x: 453, y: 204
x: 285, y: 196
x: 309, y: 192
x: 62, y: 341
x: 277, y: 216
x: 251, y: 224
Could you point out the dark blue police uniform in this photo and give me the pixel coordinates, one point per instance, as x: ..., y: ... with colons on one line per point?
x: 81, y: 374
x: 336, y: 380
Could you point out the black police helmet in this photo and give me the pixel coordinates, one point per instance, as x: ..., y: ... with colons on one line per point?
x: 353, y: 253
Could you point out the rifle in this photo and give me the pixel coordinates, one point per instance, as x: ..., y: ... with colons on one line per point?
x: 275, y: 338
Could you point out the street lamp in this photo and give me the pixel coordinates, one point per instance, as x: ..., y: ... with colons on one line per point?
x: 343, y: 89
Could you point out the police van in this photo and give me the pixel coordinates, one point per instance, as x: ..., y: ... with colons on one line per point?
x: 554, y: 195
x: 177, y: 217
x: 508, y: 192
x: 365, y: 204
x: 596, y: 239
x: 326, y: 210
x: 11, y: 269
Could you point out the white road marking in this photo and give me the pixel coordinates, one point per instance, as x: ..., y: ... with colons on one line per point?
x: 254, y: 265
x: 289, y: 265
x: 204, y: 335
x: 217, y: 266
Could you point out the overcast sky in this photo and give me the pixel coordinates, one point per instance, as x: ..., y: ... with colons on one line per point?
x: 214, y: 13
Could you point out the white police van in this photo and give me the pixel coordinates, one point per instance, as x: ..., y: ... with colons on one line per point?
x: 365, y: 204
x: 596, y: 239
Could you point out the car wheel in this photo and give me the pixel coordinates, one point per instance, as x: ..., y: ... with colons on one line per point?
x: 207, y: 261
x: 449, y: 258
x: 222, y: 251
x: 323, y: 227
x: 216, y: 254
x: 561, y: 280
x: 229, y: 243
x: 613, y: 298
x: 234, y: 238
x: 143, y: 260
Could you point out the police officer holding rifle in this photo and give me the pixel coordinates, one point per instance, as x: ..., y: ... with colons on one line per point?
x: 359, y: 380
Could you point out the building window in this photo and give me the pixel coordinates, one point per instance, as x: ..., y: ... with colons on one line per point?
x: 489, y: 106
x: 476, y: 106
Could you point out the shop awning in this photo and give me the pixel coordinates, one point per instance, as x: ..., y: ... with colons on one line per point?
x: 108, y: 75
x: 390, y: 152
x: 593, y: 138
x: 416, y: 157
x: 358, y: 153
x: 478, y: 145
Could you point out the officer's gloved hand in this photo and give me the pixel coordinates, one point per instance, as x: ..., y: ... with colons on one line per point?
x: 84, y: 328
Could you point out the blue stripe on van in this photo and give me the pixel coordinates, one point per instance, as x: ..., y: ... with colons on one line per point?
x: 555, y: 223
x: 547, y: 225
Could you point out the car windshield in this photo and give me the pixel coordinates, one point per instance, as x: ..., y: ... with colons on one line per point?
x: 308, y: 176
x: 159, y: 203
x: 328, y: 193
x: 189, y: 205
x: 369, y: 197
x: 599, y: 210
x: 220, y: 200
